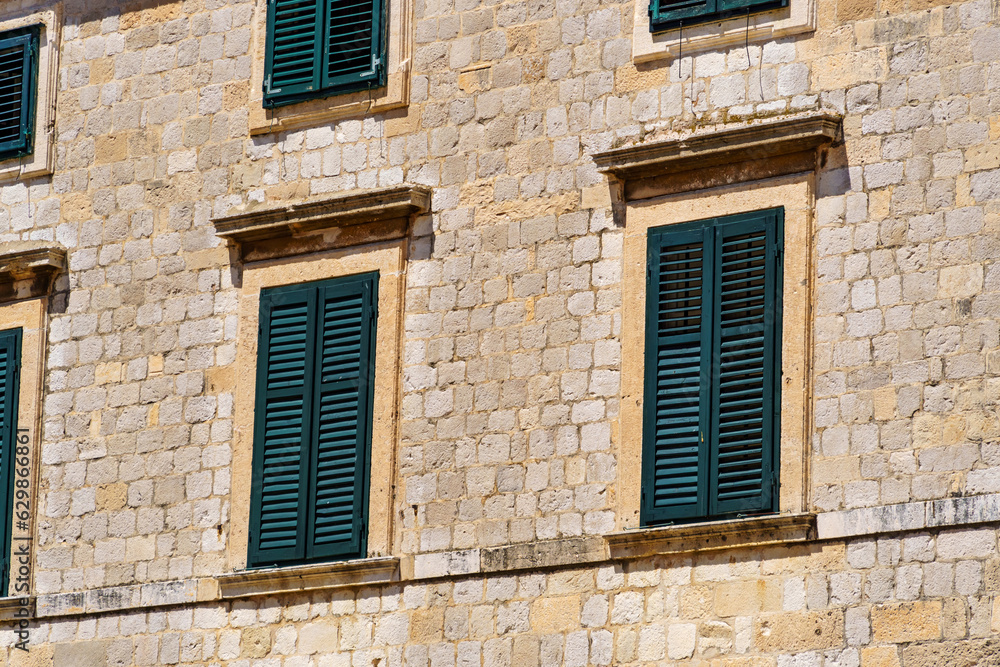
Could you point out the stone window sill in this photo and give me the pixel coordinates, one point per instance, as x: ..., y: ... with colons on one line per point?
x: 11, y: 608
x: 713, y: 535
x: 297, y: 578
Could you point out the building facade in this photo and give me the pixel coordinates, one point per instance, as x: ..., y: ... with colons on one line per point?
x: 437, y: 333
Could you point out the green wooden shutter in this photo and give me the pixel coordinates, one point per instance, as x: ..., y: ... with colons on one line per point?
x: 672, y: 12
x: 343, y: 416
x: 312, y: 429
x: 10, y: 364
x: 674, y: 461
x: 354, y: 52
x: 713, y: 324
x: 282, y: 426
x: 746, y: 312
x: 666, y: 14
x: 293, y: 55
x: 18, y: 83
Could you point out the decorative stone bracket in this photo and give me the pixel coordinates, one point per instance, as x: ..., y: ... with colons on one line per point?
x: 706, y: 159
x: 28, y: 269
x: 349, y: 219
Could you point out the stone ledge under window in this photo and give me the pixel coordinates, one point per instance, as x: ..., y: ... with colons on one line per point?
x: 710, y: 536
x: 349, y: 219
x: 14, y: 607
x: 28, y: 269
x: 269, y: 581
x: 722, y: 155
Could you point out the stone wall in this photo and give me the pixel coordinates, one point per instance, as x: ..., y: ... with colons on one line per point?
x: 509, y: 426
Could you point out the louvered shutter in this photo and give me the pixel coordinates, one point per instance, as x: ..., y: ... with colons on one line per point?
x: 674, y: 462
x: 10, y: 360
x: 713, y: 323
x: 312, y: 429
x: 18, y: 74
x: 667, y: 12
x: 747, y: 317
x: 282, y: 426
x: 343, y: 416
x: 353, y: 42
x: 293, y: 58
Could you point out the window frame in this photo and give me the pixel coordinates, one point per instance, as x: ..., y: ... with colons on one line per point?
x: 29, y: 37
x: 305, y: 552
x: 326, y: 86
x: 709, y: 232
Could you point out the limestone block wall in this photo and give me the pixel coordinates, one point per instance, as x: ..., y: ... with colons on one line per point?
x: 509, y: 426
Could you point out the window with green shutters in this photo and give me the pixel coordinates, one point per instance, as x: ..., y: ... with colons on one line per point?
x: 666, y: 14
x: 313, y: 421
x: 712, y: 369
x: 18, y: 84
x: 317, y: 48
x: 10, y: 367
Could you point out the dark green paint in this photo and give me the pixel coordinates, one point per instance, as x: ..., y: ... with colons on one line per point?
x: 18, y: 91
x: 319, y: 48
x: 667, y: 14
x: 316, y: 361
x: 711, y: 390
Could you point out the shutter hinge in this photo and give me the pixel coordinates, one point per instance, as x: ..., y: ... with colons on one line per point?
x: 267, y: 80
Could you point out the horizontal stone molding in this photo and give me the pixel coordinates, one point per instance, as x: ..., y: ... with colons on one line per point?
x: 274, y: 580
x: 713, y: 535
x: 28, y: 269
x: 721, y: 155
x: 118, y: 598
x: 750, y: 532
x: 351, y: 218
x: 907, y: 517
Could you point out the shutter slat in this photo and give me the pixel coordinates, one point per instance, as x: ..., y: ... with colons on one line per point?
x: 293, y: 53
x: 353, y: 38
x: 17, y: 90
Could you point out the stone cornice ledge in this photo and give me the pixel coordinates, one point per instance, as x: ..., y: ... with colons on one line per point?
x: 270, y: 581
x: 905, y: 517
x: 711, y: 536
x: 350, y: 218
x: 14, y: 607
x: 28, y: 269
x: 718, y: 146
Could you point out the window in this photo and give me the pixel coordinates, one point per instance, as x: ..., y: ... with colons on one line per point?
x: 10, y: 362
x: 313, y: 421
x: 712, y: 370
x: 18, y: 83
x: 317, y: 48
x: 664, y: 14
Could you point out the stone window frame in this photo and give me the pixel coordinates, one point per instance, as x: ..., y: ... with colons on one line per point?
x: 797, y: 18
x: 393, y: 95
x: 350, y: 234
x: 704, y: 175
x: 27, y: 274
x: 42, y: 159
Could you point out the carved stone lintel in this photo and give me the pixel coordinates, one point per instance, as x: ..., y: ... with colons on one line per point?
x: 28, y: 269
x: 724, y: 156
x: 349, y: 219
